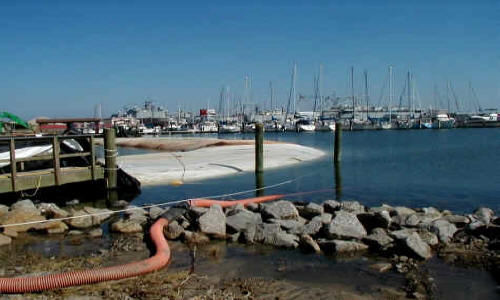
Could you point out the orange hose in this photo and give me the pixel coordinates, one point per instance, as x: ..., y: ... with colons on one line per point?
x: 202, y: 202
x: 73, y: 278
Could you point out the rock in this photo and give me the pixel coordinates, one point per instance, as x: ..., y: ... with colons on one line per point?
x: 175, y: 212
x: 381, y: 208
x: 292, y: 226
x: 81, y: 222
x: 195, y: 238
x: 196, y: 212
x: 173, y: 230
x: 241, y: 220
x: 341, y: 247
x: 234, y: 209
x: 51, y: 210
x: 458, y: 220
x: 284, y: 240
x: 23, y: 212
x: 416, y: 247
x: 253, y: 207
x: 283, y: 210
x: 401, y: 210
x: 379, y: 219
x: 3, y: 209
x: 135, y: 210
x: 95, y: 233
x: 265, y: 230
x: 345, y: 225
x: 311, y: 210
x: 378, y: 240
x: 308, y: 244
x: 5, y: 240
x: 155, y: 212
x: 183, y: 222
x: 73, y: 202
x: 126, y: 226
x: 213, y: 222
x: 314, y: 226
x: 331, y: 206
x: 99, y: 214
x: 56, y: 227
x: 233, y: 238
x: 475, y: 225
x: 381, y: 267
x: 352, y: 206
x: 10, y: 233
x: 75, y: 232
x: 430, y: 238
x: 248, y: 234
x: 483, y: 214
x: 401, y: 234
x: 496, y: 221
x: 24, y: 205
x: 119, y: 204
x: 431, y: 212
x: 326, y: 218
x: 444, y: 230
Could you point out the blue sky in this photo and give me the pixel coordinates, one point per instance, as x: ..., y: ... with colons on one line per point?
x: 61, y: 58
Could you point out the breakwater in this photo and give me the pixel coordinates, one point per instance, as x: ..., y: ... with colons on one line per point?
x: 403, y: 238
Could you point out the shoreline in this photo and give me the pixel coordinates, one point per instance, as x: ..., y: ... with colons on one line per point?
x: 387, y: 241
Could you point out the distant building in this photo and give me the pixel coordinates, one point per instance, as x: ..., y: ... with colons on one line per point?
x: 149, y: 114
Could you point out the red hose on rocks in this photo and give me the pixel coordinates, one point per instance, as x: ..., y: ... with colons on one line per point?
x: 209, y: 202
x: 62, y: 280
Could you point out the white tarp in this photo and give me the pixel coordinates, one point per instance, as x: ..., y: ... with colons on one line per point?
x: 26, y: 152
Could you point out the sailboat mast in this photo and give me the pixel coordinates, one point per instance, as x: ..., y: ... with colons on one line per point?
x: 409, y: 93
x: 294, y: 93
x: 271, y: 89
x: 319, y: 90
x: 352, y: 93
x: 391, y: 93
x: 366, y: 92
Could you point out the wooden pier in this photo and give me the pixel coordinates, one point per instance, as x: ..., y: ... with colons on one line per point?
x: 21, y: 180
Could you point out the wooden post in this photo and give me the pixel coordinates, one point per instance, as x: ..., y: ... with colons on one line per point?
x: 338, y: 141
x: 110, y: 153
x: 92, y: 157
x: 259, y: 148
x: 13, y: 164
x: 57, y: 163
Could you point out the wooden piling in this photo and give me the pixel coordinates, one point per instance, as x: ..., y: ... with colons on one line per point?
x: 13, y: 163
x: 337, y: 144
x: 259, y: 148
x: 92, y: 157
x: 110, y: 154
x: 56, y: 160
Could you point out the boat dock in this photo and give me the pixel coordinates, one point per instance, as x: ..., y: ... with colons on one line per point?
x: 54, y: 170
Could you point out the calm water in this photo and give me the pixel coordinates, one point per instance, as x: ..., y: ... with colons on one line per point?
x: 450, y: 169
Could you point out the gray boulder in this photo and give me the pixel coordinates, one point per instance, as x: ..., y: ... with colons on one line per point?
x: 401, y: 210
x: 380, y: 219
x: 430, y: 238
x: 326, y: 218
x: 314, y: 226
x: 5, y: 240
x: 308, y: 244
x: 155, y: 212
x: 173, y: 213
x: 444, y: 230
x: 3, y: 209
x: 241, y: 220
x: 234, y: 209
x: 173, y: 230
x: 341, y: 247
x: 81, y: 221
x: 311, y: 210
x: 126, y: 226
x: 195, y: 238
x: 352, y: 206
x: 280, y: 210
x: 213, y: 222
x: 99, y: 214
x: 378, y: 240
x: 95, y: 233
x: 484, y: 215
x: 271, y: 234
x: 51, y: 210
x: 23, y: 204
x: 253, y: 207
x: 416, y: 247
x: 401, y: 234
x: 345, y: 225
x: 458, y: 220
x: 381, y: 208
x: 292, y: 226
x: 330, y: 206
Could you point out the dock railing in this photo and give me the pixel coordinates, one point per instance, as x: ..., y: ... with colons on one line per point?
x: 57, y: 172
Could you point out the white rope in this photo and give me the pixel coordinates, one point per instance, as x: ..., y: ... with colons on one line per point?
x: 152, y: 205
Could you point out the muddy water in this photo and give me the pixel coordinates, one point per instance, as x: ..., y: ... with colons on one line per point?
x: 300, y: 275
